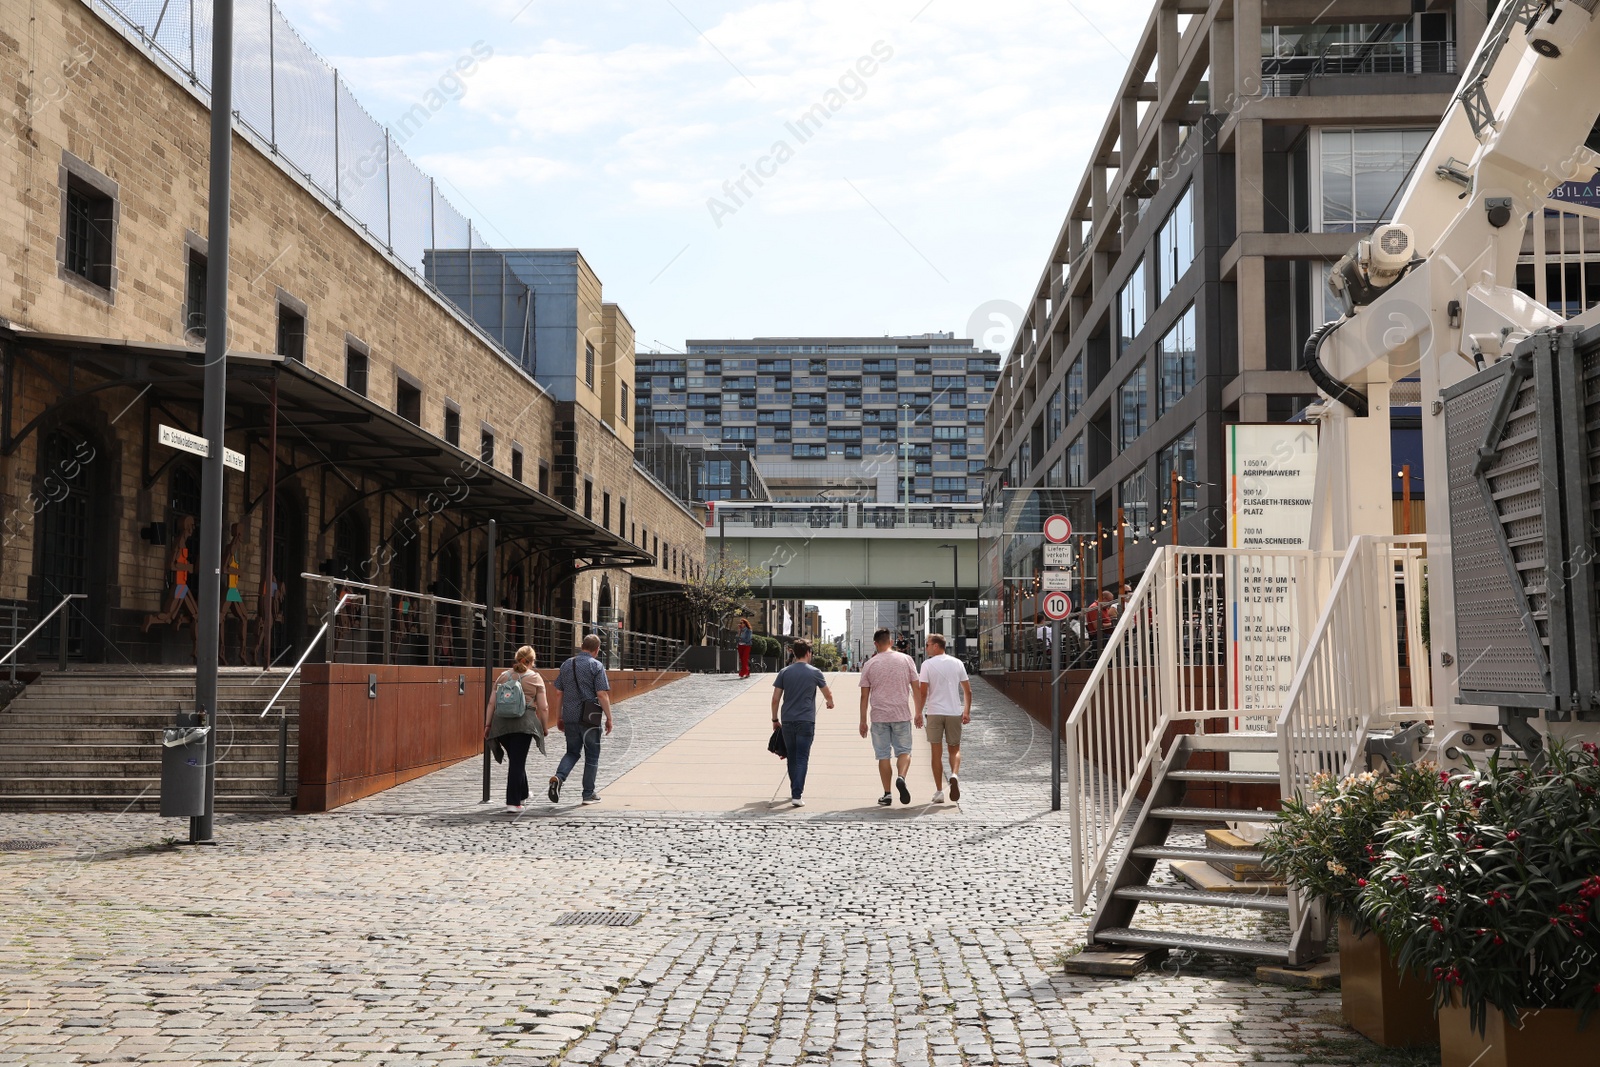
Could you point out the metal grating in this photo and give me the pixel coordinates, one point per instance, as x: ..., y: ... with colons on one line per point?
x: 1489, y: 606
x: 599, y: 918
x: 24, y: 844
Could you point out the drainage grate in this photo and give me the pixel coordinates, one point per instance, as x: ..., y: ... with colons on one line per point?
x: 23, y: 844
x: 599, y: 918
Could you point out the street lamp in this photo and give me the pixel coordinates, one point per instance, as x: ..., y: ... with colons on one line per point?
x: 960, y: 625
x: 905, y: 453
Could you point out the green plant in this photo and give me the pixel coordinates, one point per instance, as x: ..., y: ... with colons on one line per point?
x: 1326, y: 845
x: 716, y: 594
x: 1492, y: 888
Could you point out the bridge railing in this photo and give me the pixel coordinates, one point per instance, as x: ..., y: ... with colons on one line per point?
x: 849, y: 515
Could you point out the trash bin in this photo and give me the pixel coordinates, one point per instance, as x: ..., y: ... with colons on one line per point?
x: 183, y: 771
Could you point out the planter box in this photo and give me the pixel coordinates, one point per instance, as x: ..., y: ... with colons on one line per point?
x: 1546, y: 1038
x: 1394, y: 1010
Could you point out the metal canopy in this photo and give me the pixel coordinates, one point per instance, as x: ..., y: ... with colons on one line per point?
x: 320, y: 417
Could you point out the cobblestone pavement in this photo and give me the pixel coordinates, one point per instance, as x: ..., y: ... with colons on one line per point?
x: 417, y: 927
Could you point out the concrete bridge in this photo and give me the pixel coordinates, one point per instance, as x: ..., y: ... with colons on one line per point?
x: 853, y: 551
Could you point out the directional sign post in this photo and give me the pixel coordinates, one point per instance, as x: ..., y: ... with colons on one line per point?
x: 1057, y: 606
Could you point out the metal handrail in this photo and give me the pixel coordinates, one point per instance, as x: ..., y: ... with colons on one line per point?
x: 659, y: 652
x: 309, y: 646
x: 283, y: 719
x: 62, y: 650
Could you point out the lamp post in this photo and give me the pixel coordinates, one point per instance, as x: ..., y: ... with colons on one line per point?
x: 933, y: 599
x: 905, y: 457
x: 960, y: 623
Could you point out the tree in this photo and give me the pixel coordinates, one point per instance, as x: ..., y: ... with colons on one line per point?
x: 717, y: 593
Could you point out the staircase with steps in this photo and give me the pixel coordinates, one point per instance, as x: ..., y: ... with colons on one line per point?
x: 1210, y: 636
x: 1138, y: 882
x: 89, y: 739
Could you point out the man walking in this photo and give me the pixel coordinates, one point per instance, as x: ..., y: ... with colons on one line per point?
x: 583, y: 699
x: 947, y: 706
x: 889, y: 681
x: 795, y: 688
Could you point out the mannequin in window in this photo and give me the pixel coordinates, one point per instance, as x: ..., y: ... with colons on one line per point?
x: 181, y: 604
x: 232, y: 600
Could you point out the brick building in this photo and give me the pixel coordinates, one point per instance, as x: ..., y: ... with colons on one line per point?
x: 382, y: 423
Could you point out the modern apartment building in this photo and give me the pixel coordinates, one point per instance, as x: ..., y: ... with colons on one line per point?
x: 876, y: 418
x: 1248, y: 144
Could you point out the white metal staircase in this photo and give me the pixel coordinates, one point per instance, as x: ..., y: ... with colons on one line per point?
x: 1271, y: 667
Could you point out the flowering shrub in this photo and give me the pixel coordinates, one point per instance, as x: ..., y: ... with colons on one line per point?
x: 1493, y: 888
x: 1326, y: 845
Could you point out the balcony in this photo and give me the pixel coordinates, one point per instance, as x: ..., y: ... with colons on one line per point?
x: 1339, y: 61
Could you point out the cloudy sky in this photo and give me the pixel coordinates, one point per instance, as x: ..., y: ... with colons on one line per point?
x: 931, y: 192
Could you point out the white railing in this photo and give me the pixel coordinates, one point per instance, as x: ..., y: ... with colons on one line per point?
x: 1209, y: 633
x: 1349, y: 678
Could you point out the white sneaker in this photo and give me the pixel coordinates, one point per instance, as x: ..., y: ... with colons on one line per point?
x: 938, y: 798
x: 796, y: 802
x: 514, y: 809
x: 955, y: 788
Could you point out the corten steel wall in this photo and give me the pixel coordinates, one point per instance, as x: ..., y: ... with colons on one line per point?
x: 353, y: 745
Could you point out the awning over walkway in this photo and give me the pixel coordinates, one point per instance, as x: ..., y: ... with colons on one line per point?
x: 332, y: 427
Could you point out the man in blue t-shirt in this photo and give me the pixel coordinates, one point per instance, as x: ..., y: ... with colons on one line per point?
x: 795, y: 689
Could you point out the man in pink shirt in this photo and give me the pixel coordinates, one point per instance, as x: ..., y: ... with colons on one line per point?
x: 889, y: 682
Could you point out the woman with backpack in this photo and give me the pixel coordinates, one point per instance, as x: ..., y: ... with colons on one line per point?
x: 516, y: 721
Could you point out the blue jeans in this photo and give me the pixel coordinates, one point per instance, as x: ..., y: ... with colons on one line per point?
x: 797, y: 738
x: 586, y: 742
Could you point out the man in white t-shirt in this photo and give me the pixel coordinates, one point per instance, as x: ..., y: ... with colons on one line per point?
x: 889, y: 684
x: 946, y: 703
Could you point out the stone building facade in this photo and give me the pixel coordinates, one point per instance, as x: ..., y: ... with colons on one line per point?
x: 401, y: 425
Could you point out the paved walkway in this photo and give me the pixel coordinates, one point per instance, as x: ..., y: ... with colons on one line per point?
x: 418, y: 927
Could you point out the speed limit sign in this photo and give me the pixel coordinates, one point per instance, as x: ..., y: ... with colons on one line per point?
x: 1057, y: 605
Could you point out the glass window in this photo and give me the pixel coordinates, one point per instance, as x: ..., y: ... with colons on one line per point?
x: 1052, y: 422
x: 1133, y: 497
x: 1179, y: 456
x: 1024, y: 459
x: 1176, y: 244
x: 1075, y: 388
x: 1077, y: 462
x: 1131, y: 307
x: 1133, y: 407
x: 1177, y: 362
x: 1361, y: 171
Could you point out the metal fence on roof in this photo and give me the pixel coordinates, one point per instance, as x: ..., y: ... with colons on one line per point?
x: 296, y: 102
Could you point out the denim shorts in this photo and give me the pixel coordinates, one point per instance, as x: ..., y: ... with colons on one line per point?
x: 891, y: 739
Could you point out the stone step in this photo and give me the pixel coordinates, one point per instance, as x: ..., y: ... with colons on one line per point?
x: 93, y: 720
x: 13, y: 753
x: 149, y: 802
x: 139, y: 698
x: 230, y: 764
x: 134, y: 736
x: 256, y: 785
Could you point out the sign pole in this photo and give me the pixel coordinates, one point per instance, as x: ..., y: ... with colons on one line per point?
x: 488, y: 643
x: 214, y: 406
x: 1055, y: 717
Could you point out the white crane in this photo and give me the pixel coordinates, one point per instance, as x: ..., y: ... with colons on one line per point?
x: 1433, y: 295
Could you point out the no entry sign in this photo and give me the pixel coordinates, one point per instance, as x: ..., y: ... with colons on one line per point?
x: 1057, y: 528
x: 1057, y: 605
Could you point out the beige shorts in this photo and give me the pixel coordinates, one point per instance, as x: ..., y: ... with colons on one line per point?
x: 944, y: 730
